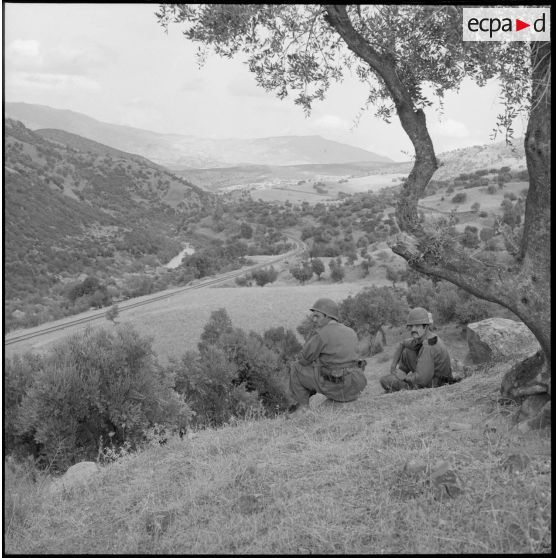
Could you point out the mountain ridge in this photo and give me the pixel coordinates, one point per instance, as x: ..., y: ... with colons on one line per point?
x: 178, y: 151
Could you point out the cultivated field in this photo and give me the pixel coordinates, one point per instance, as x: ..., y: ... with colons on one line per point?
x: 297, y: 193
x: 177, y: 322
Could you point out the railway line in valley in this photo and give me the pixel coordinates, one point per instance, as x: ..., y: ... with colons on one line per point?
x: 11, y: 339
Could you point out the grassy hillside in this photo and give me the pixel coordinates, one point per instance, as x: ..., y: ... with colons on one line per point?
x: 72, y: 206
x: 332, y: 481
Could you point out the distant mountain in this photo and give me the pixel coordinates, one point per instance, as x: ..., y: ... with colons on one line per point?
x: 71, y: 204
x: 176, y: 151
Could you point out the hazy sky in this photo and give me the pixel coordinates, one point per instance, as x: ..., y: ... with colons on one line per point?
x: 113, y: 62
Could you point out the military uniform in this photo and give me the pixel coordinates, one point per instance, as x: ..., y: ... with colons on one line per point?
x: 427, y: 364
x: 329, y: 364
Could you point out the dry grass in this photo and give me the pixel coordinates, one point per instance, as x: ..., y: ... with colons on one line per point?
x: 328, y: 482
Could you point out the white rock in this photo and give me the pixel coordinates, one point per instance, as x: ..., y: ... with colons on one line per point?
x: 500, y: 338
x: 77, y: 475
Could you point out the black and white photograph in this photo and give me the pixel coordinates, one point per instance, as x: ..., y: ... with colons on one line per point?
x: 278, y: 278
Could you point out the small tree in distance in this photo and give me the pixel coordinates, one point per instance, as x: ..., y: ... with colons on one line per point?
x: 318, y: 267
x: 264, y: 276
x: 302, y: 272
x: 112, y: 313
x: 337, y: 271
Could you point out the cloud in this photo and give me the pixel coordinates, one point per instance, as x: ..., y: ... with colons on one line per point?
x: 328, y: 122
x: 30, y: 55
x: 58, y: 82
x: 24, y: 53
x: 193, y: 84
x: 451, y: 128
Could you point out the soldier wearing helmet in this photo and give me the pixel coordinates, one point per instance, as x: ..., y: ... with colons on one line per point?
x: 420, y: 361
x: 329, y: 362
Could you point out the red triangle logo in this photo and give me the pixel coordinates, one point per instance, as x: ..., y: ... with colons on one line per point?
x: 519, y: 25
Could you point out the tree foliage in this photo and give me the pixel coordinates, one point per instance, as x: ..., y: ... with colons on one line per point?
x: 373, y: 307
x: 302, y: 272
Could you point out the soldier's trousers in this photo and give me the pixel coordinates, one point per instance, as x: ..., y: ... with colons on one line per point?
x: 306, y: 381
x: 407, y: 363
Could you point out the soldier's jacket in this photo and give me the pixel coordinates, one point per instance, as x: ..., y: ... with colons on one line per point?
x: 334, y: 344
x: 433, y: 361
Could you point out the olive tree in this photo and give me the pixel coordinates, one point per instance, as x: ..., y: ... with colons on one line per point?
x: 402, y: 52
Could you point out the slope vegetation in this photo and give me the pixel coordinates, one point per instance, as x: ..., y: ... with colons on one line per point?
x: 338, y: 480
x: 70, y: 203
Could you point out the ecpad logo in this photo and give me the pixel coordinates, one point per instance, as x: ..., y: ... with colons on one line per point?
x: 506, y: 24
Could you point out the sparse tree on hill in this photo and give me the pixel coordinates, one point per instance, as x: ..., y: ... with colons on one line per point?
x: 392, y: 274
x: 396, y: 50
x: 318, y: 267
x: 246, y: 230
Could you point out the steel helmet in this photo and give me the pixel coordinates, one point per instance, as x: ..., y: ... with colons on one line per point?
x: 328, y: 307
x: 419, y: 316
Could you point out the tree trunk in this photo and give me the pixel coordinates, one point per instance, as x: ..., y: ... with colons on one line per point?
x: 523, y: 287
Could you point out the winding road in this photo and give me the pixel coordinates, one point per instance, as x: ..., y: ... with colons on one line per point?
x: 18, y: 336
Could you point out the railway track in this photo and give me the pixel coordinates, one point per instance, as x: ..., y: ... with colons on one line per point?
x: 24, y: 336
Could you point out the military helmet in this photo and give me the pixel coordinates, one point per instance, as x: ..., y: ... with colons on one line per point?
x: 419, y: 316
x: 328, y: 307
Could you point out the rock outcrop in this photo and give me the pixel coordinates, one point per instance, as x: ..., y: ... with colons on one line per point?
x: 500, y: 339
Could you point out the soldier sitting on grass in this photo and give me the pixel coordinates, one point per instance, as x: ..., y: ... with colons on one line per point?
x: 421, y: 361
x: 329, y: 363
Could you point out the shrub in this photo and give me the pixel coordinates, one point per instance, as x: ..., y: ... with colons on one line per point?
x: 283, y: 342
x: 218, y: 324
x: 447, y: 299
x: 422, y: 293
x: 243, y: 281
x: 493, y: 244
x: 459, y: 198
x: 246, y: 230
x: 306, y: 328
x: 318, y: 266
x: 470, y: 238
x: 392, y: 274
x: 473, y: 310
x: 302, y: 272
x: 112, y: 313
x: 93, y: 384
x: 19, y: 375
x: 206, y: 382
x: 486, y: 233
x: 491, y: 189
x: 337, y: 271
x: 235, y: 373
x: 259, y: 368
x: 264, y: 276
